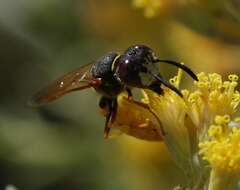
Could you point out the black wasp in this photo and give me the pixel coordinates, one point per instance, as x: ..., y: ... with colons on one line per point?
x: 110, y: 75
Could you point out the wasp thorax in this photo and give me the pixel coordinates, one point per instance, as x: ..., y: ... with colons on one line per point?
x: 103, y: 66
x: 132, y: 67
x: 102, y: 69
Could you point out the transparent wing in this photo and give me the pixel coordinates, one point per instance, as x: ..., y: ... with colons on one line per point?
x: 78, y: 79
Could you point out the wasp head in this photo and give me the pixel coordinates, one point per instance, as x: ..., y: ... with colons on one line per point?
x: 132, y: 67
x: 137, y: 68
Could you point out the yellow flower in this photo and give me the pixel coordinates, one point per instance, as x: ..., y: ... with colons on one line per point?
x: 222, y: 149
x: 151, y: 7
x: 213, y: 97
x: 183, y: 123
x: 172, y: 111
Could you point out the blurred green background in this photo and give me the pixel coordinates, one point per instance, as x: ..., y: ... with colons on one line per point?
x: 60, y: 146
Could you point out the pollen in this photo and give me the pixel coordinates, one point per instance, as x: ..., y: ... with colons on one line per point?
x: 212, y: 97
x: 150, y: 7
x: 221, y: 150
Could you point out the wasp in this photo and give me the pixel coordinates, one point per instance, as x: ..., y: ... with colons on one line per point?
x: 111, y: 75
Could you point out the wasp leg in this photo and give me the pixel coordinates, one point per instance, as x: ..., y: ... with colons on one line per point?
x: 113, y: 110
x: 155, y: 86
x: 111, y: 106
x: 129, y: 92
x: 104, y: 103
x: 107, y: 127
x: 110, y: 117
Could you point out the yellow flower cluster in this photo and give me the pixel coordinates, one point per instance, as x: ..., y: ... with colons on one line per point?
x: 183, y: 123
x: 213, y: 97
x: 151, y: 7
x: 176, y: 116
x: 221, y: 150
